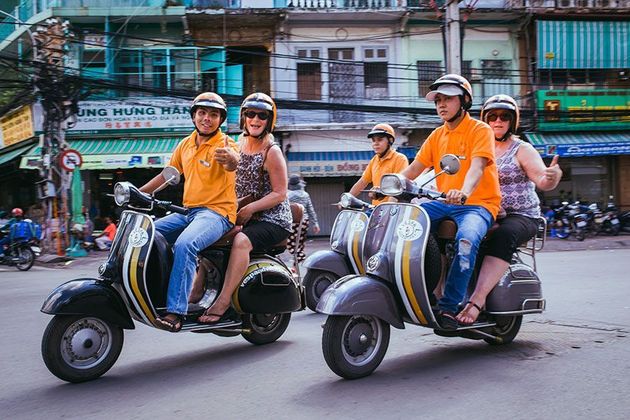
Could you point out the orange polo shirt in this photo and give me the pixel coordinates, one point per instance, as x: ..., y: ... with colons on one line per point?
x: 392, y: 163
x: 471, y: 138
x: 212, y: 187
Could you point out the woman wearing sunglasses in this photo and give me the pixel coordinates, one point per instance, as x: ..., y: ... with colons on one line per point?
x: 521, y: 170
x: 262, y: 175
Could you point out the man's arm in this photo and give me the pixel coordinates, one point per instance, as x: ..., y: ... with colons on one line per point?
x: 358, y: 186
x: 412, y: 171
x: 473, y: 176
x: 150, y: 186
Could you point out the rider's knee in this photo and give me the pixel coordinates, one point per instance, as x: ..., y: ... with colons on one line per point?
x: 242, y: 243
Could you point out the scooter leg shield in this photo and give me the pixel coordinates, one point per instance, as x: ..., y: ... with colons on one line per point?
x: 89, y: 297
x: 361, y: 295
x: 327, y: 260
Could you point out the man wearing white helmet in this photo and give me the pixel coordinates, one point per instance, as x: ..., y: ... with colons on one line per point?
x: 476, y: 184
x: 208, y: 159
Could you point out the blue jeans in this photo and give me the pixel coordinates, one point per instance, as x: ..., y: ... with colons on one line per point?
x: 191, y: 233
x: 472, y: 224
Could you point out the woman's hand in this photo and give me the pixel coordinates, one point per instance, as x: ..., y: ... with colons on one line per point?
x: 244, y: 215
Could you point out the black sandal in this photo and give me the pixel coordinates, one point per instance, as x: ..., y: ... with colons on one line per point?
x: 447, y: 320
x: 171, y: 325
x: 477, y: 307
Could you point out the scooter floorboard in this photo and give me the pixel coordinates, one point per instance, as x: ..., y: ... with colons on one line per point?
x: 194, y: 326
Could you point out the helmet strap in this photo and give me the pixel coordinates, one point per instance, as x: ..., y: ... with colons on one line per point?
x: 506, y: 136
x: 382, y: 155
x: 457, y: 115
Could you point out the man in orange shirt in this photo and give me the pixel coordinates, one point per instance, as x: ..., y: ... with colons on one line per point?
x: 105, y: 239
x: 385, y: 161
x: 207, y: 159
x: 476, y: 183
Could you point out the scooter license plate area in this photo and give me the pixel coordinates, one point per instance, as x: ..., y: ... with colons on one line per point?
x: 581, y: 224
x: 614, y: 221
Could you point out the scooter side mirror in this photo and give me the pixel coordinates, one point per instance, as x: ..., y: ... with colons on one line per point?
x: 171, y: 177
x: 450, y: 164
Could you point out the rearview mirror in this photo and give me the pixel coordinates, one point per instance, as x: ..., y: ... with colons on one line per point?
x: 449, y: 164
x: 171, y: 175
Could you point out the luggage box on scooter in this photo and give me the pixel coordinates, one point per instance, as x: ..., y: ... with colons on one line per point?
x: 519, y: 291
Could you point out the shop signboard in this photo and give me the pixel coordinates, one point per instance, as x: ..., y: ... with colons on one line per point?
x: 588, y: 149
x: 588, y: 109
x: 130, y: 115
x: 328, y: 168
x: 16, y: 126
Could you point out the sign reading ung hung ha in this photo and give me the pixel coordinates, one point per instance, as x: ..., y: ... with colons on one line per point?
x: 131, y: 115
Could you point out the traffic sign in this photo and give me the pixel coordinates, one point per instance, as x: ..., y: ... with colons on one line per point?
x: 70, y: 159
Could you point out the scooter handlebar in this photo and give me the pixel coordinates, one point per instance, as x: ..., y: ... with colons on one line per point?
x: 167, y: 205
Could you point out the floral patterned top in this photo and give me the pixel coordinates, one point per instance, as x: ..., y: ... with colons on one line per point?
x: 249, y: 181
x: 518, y: 193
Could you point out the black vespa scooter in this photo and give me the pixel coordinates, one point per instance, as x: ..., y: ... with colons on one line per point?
x: 85, y: 336
x: 324, y: 267
x: 403, y: 267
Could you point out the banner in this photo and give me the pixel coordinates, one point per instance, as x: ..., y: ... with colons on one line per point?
x: 16, y: 126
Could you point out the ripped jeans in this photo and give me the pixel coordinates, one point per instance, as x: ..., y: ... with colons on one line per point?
x: 472, y: 224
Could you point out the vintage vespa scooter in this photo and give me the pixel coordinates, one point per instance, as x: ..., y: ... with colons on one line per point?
x: 85, y: 336
x: 324, y: 267
x: 403, y: 267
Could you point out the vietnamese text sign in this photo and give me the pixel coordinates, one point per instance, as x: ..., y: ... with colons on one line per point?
x: 17, y: 126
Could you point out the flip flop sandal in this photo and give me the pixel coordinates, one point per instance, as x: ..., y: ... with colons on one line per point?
x: 470, y: 302
x: 447, y: 320
x: 171, y: 325
x: 227, y: 315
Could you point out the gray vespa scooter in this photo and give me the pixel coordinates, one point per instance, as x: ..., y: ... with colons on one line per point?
x: 403, y: 267
x: 324, y: 267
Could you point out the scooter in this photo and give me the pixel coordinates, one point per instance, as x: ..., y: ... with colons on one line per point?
x: 19, y: 254
x: 85, y: 336
x: 403, y: 268
x: 324, y: 267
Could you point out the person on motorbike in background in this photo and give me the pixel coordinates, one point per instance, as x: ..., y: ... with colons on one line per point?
x: 266, y: 220
x: 386, y: 160
x: 208, y: 159
x: 476, y: 184
x: 521, y: 170
x: 17, y: 214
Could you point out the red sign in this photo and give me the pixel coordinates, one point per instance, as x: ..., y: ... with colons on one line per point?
x: 70, y: 159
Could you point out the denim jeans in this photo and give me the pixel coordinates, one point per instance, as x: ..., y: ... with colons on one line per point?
x: 200, y: 228
x: 472, y: 224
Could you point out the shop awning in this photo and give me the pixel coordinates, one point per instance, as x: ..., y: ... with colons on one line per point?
x: 569, y: 44
x: 151, y: 152
x: 336, y: 163
x: 6, y: 157
x: 580, y: 144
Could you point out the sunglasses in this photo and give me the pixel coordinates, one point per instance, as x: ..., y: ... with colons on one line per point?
x: 505, y: 117
x: 261, y: 115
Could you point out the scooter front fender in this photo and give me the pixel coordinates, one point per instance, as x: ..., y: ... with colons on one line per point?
x: 327, y: 260
x: 89, y: 297
x: 361, y: 295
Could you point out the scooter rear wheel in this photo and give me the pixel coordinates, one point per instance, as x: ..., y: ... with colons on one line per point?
x: 80, y: 348
x: 315, y: 284
x: 354, y: 345
x: 27, y: 258
x: 265, y: 328
x: 506, y: 330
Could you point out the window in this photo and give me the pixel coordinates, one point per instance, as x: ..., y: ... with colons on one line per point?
x: 496, y: 77
x: 309, y: 75
x: 428, y: 72
x: 93, y: 63
x: 375, y: 80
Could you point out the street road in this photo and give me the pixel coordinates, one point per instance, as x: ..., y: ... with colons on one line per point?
x: 570, y: 362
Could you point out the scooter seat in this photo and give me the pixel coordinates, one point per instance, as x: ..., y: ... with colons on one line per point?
x: 228, y: 238
x: 448, y: 229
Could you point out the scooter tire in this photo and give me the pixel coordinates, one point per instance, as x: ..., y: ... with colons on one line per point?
x: 315, y: 284
x: 506, y: 330
x: 78, y: 348
x: 354, y: 346
x: 28, y: 257
x: 264, y: 328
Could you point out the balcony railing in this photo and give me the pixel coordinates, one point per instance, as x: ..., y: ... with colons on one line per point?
x: 344, y: 4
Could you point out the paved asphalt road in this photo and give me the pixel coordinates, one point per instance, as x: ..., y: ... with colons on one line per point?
x: 570, y: 362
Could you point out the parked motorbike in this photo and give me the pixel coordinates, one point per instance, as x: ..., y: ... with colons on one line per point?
x: 324, y: 267
x: 19, y: 254
x: 403, y: 267
x: 85, y: 336
x: 570, y: 219
x: 606, y: 220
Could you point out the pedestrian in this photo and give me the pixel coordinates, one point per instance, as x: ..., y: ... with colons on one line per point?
x: 296, y: 194
x: 473, y: 196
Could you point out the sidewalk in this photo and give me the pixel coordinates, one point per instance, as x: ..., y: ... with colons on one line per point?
x: 321, y: 243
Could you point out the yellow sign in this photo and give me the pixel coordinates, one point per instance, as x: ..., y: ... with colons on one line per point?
x: 550, y: 55
x: 17, y: 126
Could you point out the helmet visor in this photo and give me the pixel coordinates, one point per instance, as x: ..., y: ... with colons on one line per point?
x: 447, y: 89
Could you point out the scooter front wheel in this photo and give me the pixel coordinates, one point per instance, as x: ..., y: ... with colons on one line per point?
x: 26, y: 258
x: 354, y: 345
x: 80, y: 348
x: 506, y: 330
x: 265, y: 328
x: 315, y: 284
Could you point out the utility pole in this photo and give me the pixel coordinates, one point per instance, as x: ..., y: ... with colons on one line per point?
x: 58, y: 95
x: 452, y: 38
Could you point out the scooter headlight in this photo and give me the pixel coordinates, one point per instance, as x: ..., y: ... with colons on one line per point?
x: 122, y: 193
x: 346, y: 200
x: 392, y: 184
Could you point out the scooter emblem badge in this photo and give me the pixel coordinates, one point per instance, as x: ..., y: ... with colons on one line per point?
x: 357, y: 225
x: 409, y: 230
x: 138, y: 237
x: 373, y: 262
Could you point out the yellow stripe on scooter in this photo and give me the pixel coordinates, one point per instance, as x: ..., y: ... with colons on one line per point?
x: 406, y: 274
x: 133, y: 277
x: 355, y: 251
